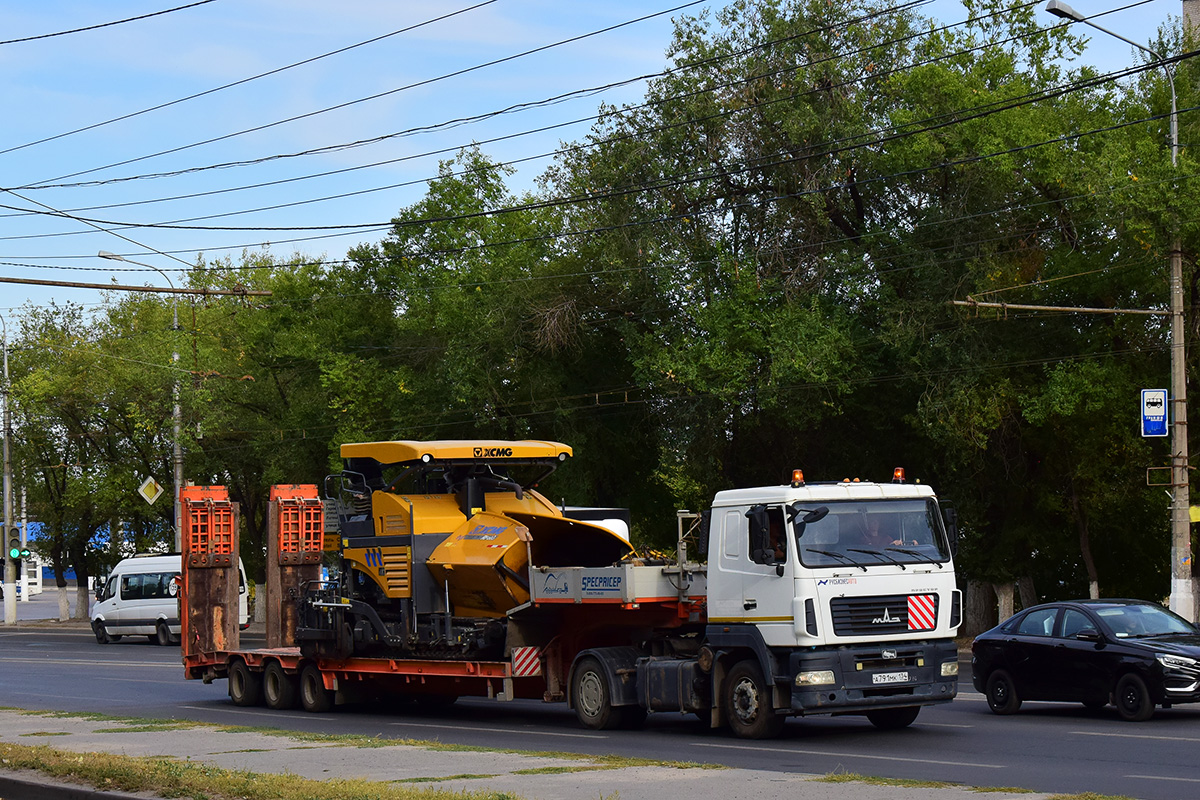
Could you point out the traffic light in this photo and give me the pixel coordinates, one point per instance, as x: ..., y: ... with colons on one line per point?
x: 16, y: 551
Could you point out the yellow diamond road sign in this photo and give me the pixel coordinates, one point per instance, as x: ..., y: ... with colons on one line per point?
x: 150, y: 490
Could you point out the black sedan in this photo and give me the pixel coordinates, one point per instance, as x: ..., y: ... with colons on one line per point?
x: 1131, y: 653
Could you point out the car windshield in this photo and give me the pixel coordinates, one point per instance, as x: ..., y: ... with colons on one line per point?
x: 873, y: 533
x: 1138, y: 621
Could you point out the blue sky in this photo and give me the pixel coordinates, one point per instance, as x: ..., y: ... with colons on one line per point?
x: 52, y: 86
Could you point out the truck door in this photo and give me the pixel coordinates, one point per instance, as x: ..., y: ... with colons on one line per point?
x: 756, y: 560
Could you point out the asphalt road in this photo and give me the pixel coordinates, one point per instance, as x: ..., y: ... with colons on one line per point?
x: 1047, y: 747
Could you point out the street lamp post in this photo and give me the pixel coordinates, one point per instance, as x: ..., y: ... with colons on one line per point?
x: 1182, y: 600
x: 177, y: 412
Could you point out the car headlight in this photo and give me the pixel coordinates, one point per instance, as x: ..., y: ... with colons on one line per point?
x: 1172, y: 661
x: 949, y: 669
x: 815, y: 678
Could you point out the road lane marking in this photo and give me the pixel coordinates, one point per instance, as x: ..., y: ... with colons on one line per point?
x: 942, y: 725
x: 1163, y: 778
x: 500, y: 730
x: 274, y: 714
x: 143, y: 664
x: 843, y: 754
x: 1138, y: 736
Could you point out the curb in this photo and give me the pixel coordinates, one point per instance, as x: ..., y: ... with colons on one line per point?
x: 42, y: 788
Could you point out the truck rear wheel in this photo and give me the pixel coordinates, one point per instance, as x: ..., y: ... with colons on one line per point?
x: 748, y: 703
x: 314, y: 696
x: 592, y: 697
x: 245, y: 686
x: 279, y: 688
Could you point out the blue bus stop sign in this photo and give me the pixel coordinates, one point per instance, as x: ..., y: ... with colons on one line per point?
x: 1154, y: 412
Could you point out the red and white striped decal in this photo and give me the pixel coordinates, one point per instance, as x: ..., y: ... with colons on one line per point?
x: 922, y: 612
x: 526, y: 661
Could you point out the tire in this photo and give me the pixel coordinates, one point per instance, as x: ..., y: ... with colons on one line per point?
x: 591, y: 695
x: 162, y: 634
x: 747, y: 697
x: 245, y: 686
x: 893, y: 719
x: 314, y: 696
x: 280, y: 690
x: 1132, y: 699
x: 101, y: 634
x: 1002, y: 697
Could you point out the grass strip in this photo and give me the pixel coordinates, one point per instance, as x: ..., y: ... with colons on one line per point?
x: 141, y: 724
x: 912, y: 783
x: 171, y: 778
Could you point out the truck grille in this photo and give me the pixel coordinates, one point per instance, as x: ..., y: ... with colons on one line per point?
x: 868, y: 616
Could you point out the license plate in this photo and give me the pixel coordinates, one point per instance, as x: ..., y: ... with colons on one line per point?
x: 889, y: 677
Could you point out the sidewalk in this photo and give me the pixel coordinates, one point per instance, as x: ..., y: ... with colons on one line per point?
x: 418, y: 767
x: 44, y: 605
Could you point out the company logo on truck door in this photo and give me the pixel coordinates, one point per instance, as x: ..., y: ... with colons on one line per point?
x: 493, y: 452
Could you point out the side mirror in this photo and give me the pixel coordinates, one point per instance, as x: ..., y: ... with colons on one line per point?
x: 1087, y: 635
x: 760, y: 533
x: 814, y: 515
x: 950, y: 515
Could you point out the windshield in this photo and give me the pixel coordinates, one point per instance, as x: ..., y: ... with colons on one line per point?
x: 1131, y: 622
x: 873, y: 532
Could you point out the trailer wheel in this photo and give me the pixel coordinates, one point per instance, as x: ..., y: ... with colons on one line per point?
x: 245, y: 686
x: 748, y: 703
x: 893, y: 719
x: 592, y: 697
x: 279, y: 688
x: 314, y: 696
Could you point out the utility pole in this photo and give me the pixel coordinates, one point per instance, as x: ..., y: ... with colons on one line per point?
x: 10, y: 566
x: 1182, y: 598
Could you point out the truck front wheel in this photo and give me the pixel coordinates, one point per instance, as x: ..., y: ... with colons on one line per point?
x: 592, y: 696
x: 748, y: 703
x: 893, y: 719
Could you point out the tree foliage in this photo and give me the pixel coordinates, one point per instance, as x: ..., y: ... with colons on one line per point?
x: 749, y: 271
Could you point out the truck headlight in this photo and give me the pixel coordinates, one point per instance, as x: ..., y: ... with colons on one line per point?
x: 817, y: 677
x: 949, y: 669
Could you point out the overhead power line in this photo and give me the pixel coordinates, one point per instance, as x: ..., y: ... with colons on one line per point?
x: 105, y: 24
x: 376, y: 96
x: 245, y: 80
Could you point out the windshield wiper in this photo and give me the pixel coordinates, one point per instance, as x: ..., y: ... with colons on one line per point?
x: 878, y: 554
x: 842, y: 556
x: 917, y: 554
